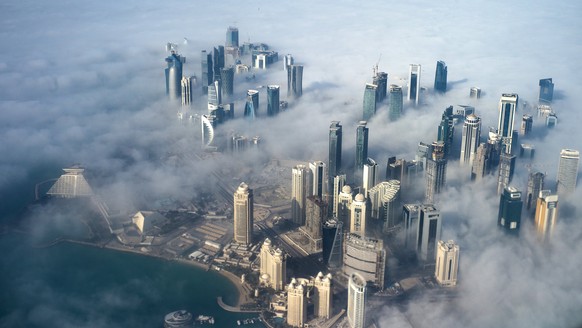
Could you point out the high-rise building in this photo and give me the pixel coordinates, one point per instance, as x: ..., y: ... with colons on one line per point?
x: 447, y: 263
x: 365, y: 256
x: 339, y: 182
x: 232, y: 37
x: 527, y: 151
x: 315, y: 213
x: 323, y: 296
x: 396, y: 105
x: 446, y: 129
x: 395, y: 169
x: 300, y: 183
x: 526, y: 124
x: 410, y: 215
x: 296, y: 303
x: 287, y: 61
x: 546, y: 215
x: 385, y: 204
x: 214, y: 94
x: 436, y: 172
x: 369, y: 101
x: 334, y: 163
x: 295, y: 81
x: 369, y: 176
x: 227, y: 79
x: 207, y: 76
x: 72, y: 184
x: 357, y: 301
x: 174, y: 75
x: 319, y: 183
x: 475, y: 93
x: 567, y: 171
x: 359, y: 215
x: 361, y: 145
x: 252, y: 104
x: 333, y: 243
x: 273, y: 103
x: 470, y: 140
x: 344, y: 205
x: 510, y: 205
x: 480, y: 166
x: 423, y: 153
x: 218, y: 61
x: 440, y: 77
x: 507, y: 106
x: 414, y: 84
x: 187, y: 83
x: 535, y: 184
x: 546, y: 91
x: 243, y: 214
x: 207, y: 126
x: 273, y: 268
x: 381, y: 80
x: 428, y: 233
x: 506, y: 169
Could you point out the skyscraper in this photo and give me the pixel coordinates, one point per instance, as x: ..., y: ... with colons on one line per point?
x: 273, y: 265
x: 339, y: 182
x: 214, y: 94
x: 365, y: 256
x: 300, y: 182
x: 252, y: 104
x: 470, y: 140
x: 385, y: 204
x: 218, y: 61
x: 186, y: 84
x: 446, y: 129
x: 506, y: 169
x: 243, y: 214
x: 370, y: 175
x: 232, y: 37
x: 359, y: 215
x: 447, y: 263
x: 436, y: 172
x: 410, y: 216
x: 440, y: 77
x: 414, y: 84
x: 344, y: 205
x: 381, y: 80
x: 361, y: 145
x: 357, y: 301
x: 481, y: 163
x: 526, y: 125
x: 295, y: 81
x: 428, y: 233
x: 174, y: 75
x: 296, y: 303
x: 319, y: 182
x: 334, y: 163
x: 546, y: 91
x: 567, y: 171
x: 207, y: 76
x: 322, y: 296
x: 287, y: 61
x: 227, y: 79
x: 395, y: 102
x: 475, y: 93
x: 510, y: 205
x: 315, y: 213
x: 273, y: 103
x: 369, y: 101
x: 507, y: 105
x: 535, y: 184
x: 546, y: 215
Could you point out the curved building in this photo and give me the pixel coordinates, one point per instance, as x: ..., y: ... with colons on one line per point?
x: 470, y: 139
x: 357, y: 301
x: 178, y: 319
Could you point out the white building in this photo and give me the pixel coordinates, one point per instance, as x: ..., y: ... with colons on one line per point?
x: 470, y: 139
x: 568, y: 171
x: 447, y: 263
x: 273, y: 269
x: 300, y: 183
x: 359, y: 215
x: 357, y: 301
x: 296, y: 303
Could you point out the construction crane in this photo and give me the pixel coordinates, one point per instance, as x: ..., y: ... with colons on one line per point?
x: 375, y: 68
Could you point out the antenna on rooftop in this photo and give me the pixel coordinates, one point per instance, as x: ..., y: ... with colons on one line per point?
x: 171, y: 47
x: 375, y: 68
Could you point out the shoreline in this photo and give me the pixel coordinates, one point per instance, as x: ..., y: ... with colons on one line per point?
x: 231, y: 277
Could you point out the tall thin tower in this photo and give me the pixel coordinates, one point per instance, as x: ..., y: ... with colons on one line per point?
x: 357, y: 301
x: 507, y: 106
x: 436, y: 172
x: 243, y: 214
x: 470, y: 139
x: 370, y: 93
x: 361, y: 145
x: 414, y: 84
x: 440, y: 77
x: 334, y: 163
x: 546, y: 215
x: 567, y: 171
x: 299, y: 192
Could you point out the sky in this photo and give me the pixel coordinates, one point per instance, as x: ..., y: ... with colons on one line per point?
x: 83, y: 82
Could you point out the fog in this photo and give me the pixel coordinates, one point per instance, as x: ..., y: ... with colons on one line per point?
x: 83, y: 82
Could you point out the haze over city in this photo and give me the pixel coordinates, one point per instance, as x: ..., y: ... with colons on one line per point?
x: 84, y: 83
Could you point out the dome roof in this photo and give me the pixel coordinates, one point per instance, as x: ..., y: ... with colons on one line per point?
x: 347, y: 189
x: 360, y: 198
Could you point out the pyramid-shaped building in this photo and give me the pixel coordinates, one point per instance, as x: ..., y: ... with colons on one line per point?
x: 72, y: 184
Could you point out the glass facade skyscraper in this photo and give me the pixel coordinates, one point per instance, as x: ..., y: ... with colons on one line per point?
x: 567, y: 171
x: 252, y: 104
x: 174, y: 76
x: 334, y: 163
x: 381, y: 80
x: 546, y: 91
x: 207, y: 76
x: 436, y: 172
x: 369, y: 101
x: 232, y: 37
x: 471, y: 139
x: 295, y: 81
x: 361, y: 144
x: 227, y: 79
x: 414, y: 84
x: 273, y: 104
x: 446, y: 130
x: 507, y: 106
x: 440, y: 77
x: 510, y: 205
x: 395, y: 110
